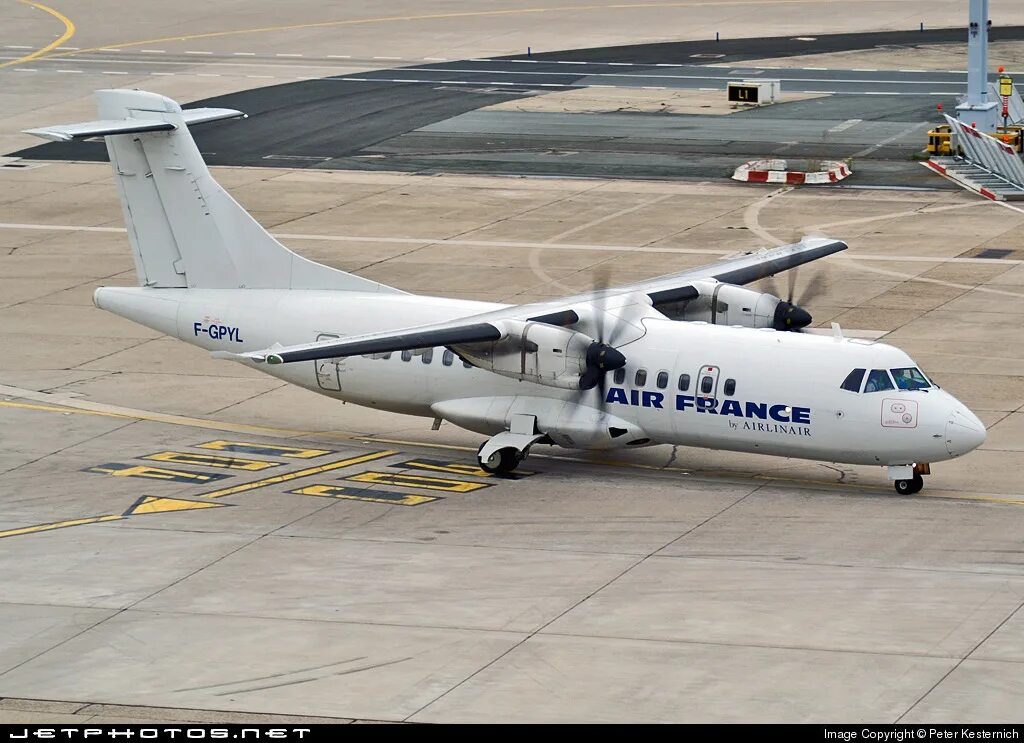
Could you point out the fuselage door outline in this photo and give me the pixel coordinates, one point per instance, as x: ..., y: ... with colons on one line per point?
x: 328, y: 371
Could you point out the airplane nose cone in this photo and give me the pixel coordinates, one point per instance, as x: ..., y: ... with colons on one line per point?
x: 964, y: 432
x: 790, y: 317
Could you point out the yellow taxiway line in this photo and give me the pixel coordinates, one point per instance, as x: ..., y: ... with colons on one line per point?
x: 628, y: 7
x: 69, y: 31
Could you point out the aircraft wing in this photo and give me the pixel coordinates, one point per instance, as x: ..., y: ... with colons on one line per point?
x: 489, y: 326
x: 427, y: 336
x: 741, y: 270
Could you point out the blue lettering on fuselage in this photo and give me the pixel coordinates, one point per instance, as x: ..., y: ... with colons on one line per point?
x: 218, y: 332
x: 707, y: 405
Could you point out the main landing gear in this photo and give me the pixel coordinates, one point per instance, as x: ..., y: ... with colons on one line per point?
x: 908, y: 478
x: 502, y: 461
x: 503, y: 452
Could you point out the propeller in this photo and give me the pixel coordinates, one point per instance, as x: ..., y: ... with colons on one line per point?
x: 789, y: 315
x: 601, y: 356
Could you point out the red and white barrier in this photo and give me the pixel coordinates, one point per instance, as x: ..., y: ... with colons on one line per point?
x: 775, y: 171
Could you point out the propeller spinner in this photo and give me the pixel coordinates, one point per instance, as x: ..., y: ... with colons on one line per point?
x: 789, y: 315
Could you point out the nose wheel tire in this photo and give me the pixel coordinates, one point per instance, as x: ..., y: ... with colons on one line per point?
x: 501, y: 461
x: 911, y: 486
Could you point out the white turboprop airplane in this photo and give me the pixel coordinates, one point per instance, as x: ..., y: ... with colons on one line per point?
x: 690, y: 358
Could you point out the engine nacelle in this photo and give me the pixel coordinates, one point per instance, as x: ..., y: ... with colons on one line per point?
x: 533, y: 352
x: 728, y: 304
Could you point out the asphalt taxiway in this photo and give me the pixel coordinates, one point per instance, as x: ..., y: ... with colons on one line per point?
x: 184, y: 539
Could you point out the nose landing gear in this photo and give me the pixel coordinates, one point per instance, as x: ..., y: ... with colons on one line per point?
x: 911, y: 486
x: 908, y: 478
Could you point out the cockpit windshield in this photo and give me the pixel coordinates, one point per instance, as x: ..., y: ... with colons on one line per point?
x: 910, y: 378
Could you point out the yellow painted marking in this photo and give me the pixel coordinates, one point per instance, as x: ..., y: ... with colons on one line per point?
x: 58, y: 525
x: 155, y: 473
x: 457, y: 468
x: 212, y: 460
x: 245, y: 447
x: 55, y: 409
x: 153, y: 504
x: 372, y: 496
x: 420, y: 481
x: 330, y: 466
x: 69, y: 31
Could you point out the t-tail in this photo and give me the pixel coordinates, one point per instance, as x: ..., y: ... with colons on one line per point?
x: 185, y: 230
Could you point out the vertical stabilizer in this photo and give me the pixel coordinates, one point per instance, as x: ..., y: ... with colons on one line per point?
x: 185, y: 230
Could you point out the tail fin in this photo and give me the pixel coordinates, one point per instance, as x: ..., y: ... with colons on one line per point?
x: 185, y: 230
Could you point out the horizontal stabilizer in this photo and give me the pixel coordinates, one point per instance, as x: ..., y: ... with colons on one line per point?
x: 109, y: 127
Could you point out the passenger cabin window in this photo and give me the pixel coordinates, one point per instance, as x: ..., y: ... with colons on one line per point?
x: 684, y: 382
x: 620, y: 375
x: 447, y: 357
x: 730, y: 386
x: 662, y: 380
x: 467, y: 364
x: 407, y: 355
x: 427, y: 356
x: 853, y: 380
x: 910, y: 378
x: 706, y: 385
x: 641, y: 377
x: 878, y: 380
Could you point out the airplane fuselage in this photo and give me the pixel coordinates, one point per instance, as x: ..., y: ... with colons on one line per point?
x: 685, y: 383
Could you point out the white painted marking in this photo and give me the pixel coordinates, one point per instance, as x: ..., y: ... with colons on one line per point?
x: 559, y: 246
x: 906, y: 132
x: 401, y: 80
x: 524, y: 61
x: 709, y: 89
x: 621, y: 64
x: 112, y: 72
x: 16, y: 46
x: 152, y: 51
x: 821, y: 92
x: 70, y: 48
x: 108, y: 49
x: 565, y: 61
x: 864, y: 69
x: 553, y: 85
x: 261, y: 77
x: 25, y: 69
x: 207, y: 74
x: 244, y: 54
x: 601, y: 86
x: 389, y: 58
x: 663, y: 64
x: 913, y: 70
x: 289, y: 55
x: 71, y: 71
x: 339, y: 56
x: 166, y: 74
x: 816, y: 69
x: 207, y: 53
x: 435, y: 59
x: 844, y: 126
x: 498, y: 83
x: 652, y: 87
